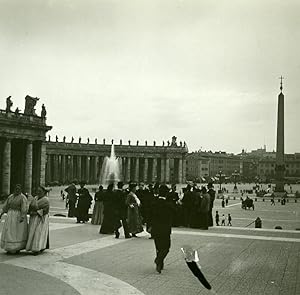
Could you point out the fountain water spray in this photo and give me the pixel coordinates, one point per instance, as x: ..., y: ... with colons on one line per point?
x: 111, y: 168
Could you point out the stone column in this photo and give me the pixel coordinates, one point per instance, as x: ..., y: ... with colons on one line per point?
x: 180, y: 171
x: 146, y: 170
x: 43, y: 164
x: 87, y: 169
x: 183, y: 170
x: 124, y: 169
x: 63, y: 168
x: 162, y: 170
x: 28, y: 169
x: 137, y: 170
x: 71, y: 168
x: 79, y: 168
x: 128, y: 170
x: 48, y: 168
x: 6, y: 168
x: 154, y: 169
x: 96, y: 178
x: 167, y: 170
x: 55, y: 160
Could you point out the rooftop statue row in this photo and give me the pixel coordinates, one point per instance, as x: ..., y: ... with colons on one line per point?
x: 30, y: 103
x: 169, y: 144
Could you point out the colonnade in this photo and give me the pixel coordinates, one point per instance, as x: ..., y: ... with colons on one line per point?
x: 65, y: 168
x: 22, y: 162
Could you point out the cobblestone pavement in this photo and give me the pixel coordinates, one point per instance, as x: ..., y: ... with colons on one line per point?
x: 235, y: 260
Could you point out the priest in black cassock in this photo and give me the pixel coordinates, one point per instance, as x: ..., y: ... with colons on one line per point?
x: 162, y: 212
x: 84, y: 203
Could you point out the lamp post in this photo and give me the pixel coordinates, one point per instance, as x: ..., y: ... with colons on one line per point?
x: 235, y: 175
x: 220, y: 180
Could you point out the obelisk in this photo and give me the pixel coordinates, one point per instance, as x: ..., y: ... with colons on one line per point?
x: 280, y: 166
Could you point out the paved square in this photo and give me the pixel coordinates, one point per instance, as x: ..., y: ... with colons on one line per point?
x: 235, y: 260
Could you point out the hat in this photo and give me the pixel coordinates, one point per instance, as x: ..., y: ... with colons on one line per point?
x: 132, y: 185
x: 163, y: 190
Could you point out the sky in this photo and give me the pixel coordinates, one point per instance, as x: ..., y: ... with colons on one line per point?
x: 206, y: 71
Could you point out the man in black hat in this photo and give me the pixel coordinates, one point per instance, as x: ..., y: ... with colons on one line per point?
x: 121, y: 210
x: 84, y: 203
x: 161, y: 226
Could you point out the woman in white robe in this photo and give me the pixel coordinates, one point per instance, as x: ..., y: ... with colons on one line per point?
x: 38, y: 234
x: 14, y: 233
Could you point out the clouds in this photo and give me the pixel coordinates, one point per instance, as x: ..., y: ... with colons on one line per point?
x: 205, y: 71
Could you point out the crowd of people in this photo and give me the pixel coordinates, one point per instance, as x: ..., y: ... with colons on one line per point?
x: 131, y: 207
x: 19, y: 234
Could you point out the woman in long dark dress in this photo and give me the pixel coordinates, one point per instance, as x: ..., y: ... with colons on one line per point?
x: 97, y: 216
x: 133, y: 215
x: 110, y: 221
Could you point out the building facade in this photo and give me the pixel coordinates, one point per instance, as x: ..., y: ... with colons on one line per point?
x: 22, y: 148
x: 204, y: 164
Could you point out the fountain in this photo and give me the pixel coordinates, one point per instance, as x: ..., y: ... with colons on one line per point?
x: 111, y: 168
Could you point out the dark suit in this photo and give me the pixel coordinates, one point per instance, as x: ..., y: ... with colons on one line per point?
x: 212, y: 195
x: 121, y: 210
x: 162, y: 212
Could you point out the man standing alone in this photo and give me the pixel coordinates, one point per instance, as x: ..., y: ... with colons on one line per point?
x: 212, y: 195
x: 161, y: 226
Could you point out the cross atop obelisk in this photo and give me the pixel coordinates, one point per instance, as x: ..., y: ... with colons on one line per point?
x: 281, y: 78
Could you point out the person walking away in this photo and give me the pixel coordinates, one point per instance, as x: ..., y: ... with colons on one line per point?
x: 84, y: 203
x: 162, y: 212
x: 196, y: 209
x: 223, y: 220
x: 15, y: 230
x: 187, y: 205
x: 229, y: 220
x: 71, y: 199
x: 133, y: 211
x: 97, y: 216
x: 223, y: 203
x: 38, y: 232
x: 147, y: 207
x: 141, y: 194
x: 212, y: 195
x: 217, y: 218
x: 108, y: 225
x: 272, y: 201
x: 121, y: 211
x: 226, y: 201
